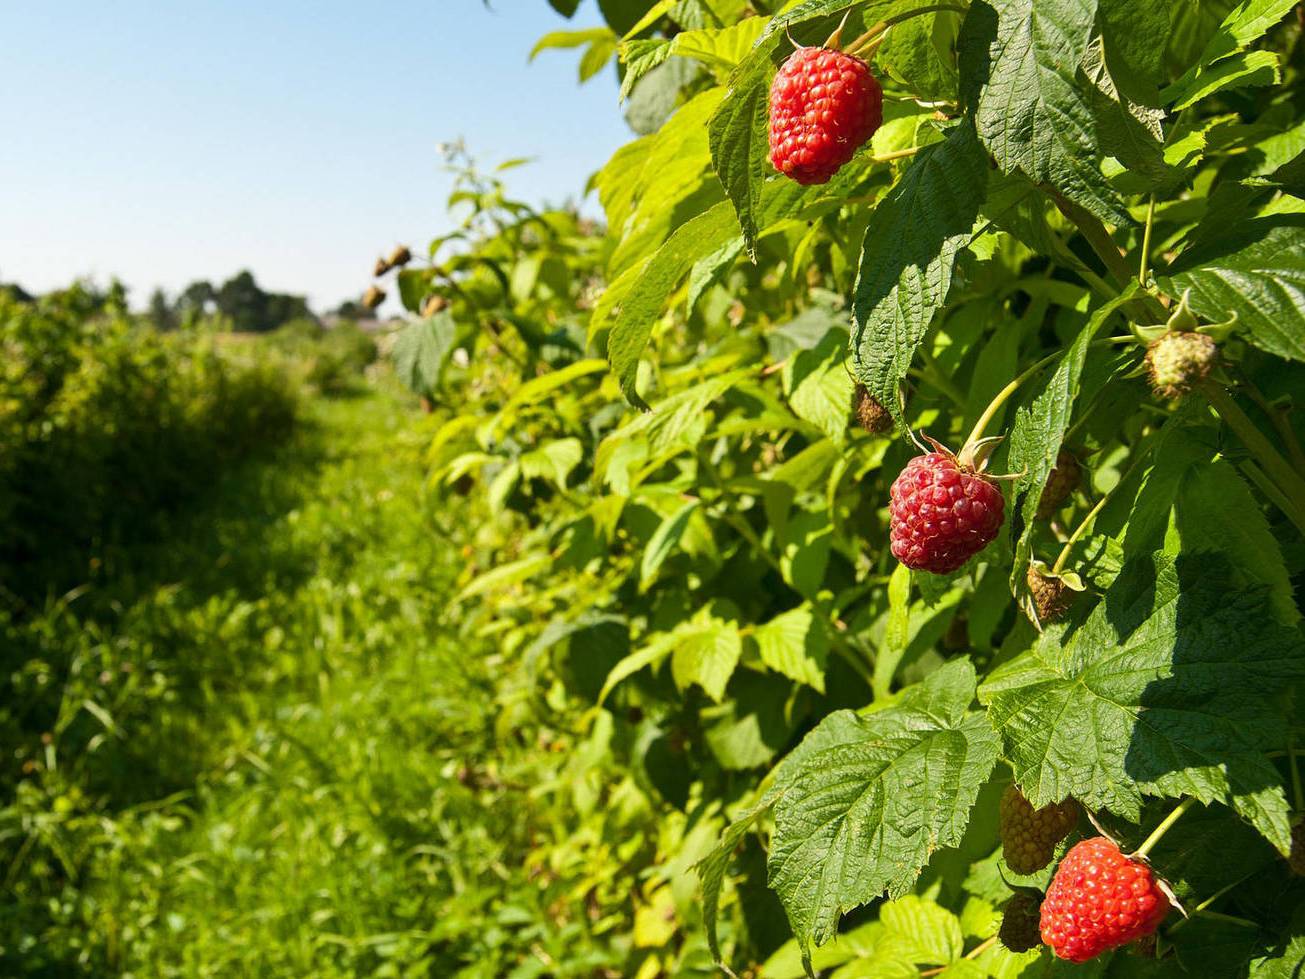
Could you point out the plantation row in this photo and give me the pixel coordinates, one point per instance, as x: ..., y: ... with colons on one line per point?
x: 899, y: 504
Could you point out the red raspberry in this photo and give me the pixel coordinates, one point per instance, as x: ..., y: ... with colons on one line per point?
x: 1029, y: 836
x: 942, y: 514
x: 1099, y: 899
x: 824, y: 105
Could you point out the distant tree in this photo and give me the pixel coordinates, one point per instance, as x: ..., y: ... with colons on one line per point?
x: 17, y: 292
x: 161, y: 312
x: 252, y: 309
x: 197, y: 299
x: 351, y: 309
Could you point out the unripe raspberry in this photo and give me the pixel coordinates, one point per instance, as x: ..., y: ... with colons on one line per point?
x: 871, y: 415
x: 1051, y: 596
x: 1177, y: 362
x: 1029, y: 836
x: 1099, y: 900
x: 1020, y: 922
x: 824, y: 105
x: 942, y: 514
x: 1061, y: 483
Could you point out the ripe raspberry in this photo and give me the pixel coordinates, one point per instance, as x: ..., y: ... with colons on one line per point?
x: 1099, y: 899
x: 872, y: 415
x: 1061, y: 482
x: 1051, y: 596
x: 824, y: 105
x: 1019, y: 929
x: 1029, y: 836
x: 942, y: 514
x: 1177, y: 362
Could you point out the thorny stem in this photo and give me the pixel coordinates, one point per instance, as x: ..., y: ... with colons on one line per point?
x: 1158, y: 833
x: 1275, y: 466
x: 1275, y: 496
x: 1279, y: 418
x: 1146, y: 243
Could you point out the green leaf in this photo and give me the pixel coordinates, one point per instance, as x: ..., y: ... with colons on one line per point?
x: 505, y: 575
x: 753, y: 724
x: 908, y: 255
x: 711, y: 870
x: 861, y: 810
x: 897, y: 633
x: 819, y: 386
x: 1032, y: 109
x: 1255, y: 272
x: 920, y: 932
x: 706, y: 652
x: 1137, y: 34
x: 739, y: 148
x: 663, y: 541
x: 1246, y: 23
x: 422, y: 349
x: 1038, y: 431
x: 1246, y: 69
x: 796, y: 644
x: 553, y: 462
x: 638, y: 296
x: 1167, y: 689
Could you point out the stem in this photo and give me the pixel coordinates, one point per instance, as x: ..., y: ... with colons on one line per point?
x: 1146, y: 243
x: 1275, y: 466
x: 1145, y: 307
x: 1003, y: 396
x: 895, y: 155
x: 1279, y: 418
x: 883, y: 25
x: 1159, y: 832
x: 940, y: 380
x: 1297, y: 793
x: 973, y: 953
x: 1274, y: 495
x: 1083, y: 525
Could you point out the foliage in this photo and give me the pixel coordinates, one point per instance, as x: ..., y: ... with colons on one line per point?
x: 691, y: 550
x: 103, y: 423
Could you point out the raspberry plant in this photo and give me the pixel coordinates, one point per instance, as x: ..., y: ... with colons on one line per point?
x: 678, y: 434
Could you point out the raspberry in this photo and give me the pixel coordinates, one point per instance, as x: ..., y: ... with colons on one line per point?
x: 1051, y: 596
x: 1029, y: 836
x: 399, y: 257
x: 872, y: 415
x: 1099, y: 899
x: 1177, y: 362
x: 824, y: 105
x: 1019, y: 929
x: 1061, y: 482
x: 942, y: 513
x: 373, y: 297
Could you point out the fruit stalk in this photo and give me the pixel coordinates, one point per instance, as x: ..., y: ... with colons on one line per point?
x: 1158, y: 833
x: 876, y: 32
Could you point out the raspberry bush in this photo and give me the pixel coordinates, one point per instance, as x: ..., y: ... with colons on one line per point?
x: 791, y: 697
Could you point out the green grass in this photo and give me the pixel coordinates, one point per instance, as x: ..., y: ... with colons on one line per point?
x: 272, y: 755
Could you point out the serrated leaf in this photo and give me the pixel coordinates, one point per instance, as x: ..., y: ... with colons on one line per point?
x: 861, y: 810
x: 706, y: 652
x: 638, y: 296
x: 1166, y: 689
x: 1032, y: 109
x: 908, y: 256
x: 1255, y: 272
x: 422, y: 349
x: 1038, y: 431
x: 664, y: 540
x: 1246, y: 69
x: 1246, y: 23
x: 553, y: 462
x: 819, y: 386
x: 796, y: 644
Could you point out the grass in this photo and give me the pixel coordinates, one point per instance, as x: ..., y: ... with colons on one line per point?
x: 268, y: 751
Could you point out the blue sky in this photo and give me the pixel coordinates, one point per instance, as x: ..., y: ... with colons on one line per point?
x: 167, y: 141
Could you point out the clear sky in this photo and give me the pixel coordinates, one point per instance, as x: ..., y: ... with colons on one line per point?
x: 164, y: 142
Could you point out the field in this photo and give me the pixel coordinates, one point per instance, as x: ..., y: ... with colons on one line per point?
x: 872, y: 550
